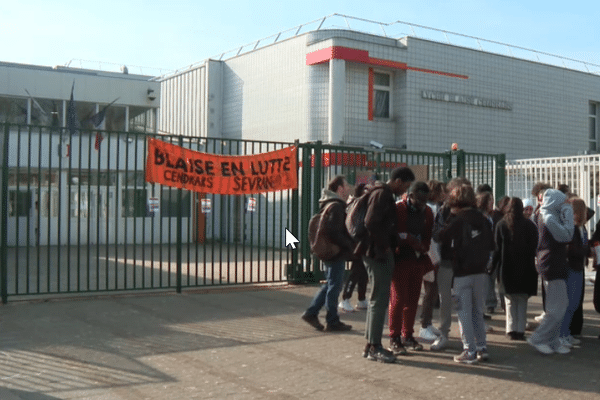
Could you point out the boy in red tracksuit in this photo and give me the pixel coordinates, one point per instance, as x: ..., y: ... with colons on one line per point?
x: 415, y: 223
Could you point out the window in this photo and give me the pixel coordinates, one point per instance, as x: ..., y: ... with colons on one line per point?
x: 169, y: 203
x: 134, y: 203
x: 19, y: 203
x: 382, y: 88
x: 593, y: 126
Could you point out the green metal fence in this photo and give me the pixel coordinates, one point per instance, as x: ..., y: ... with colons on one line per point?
x: 360, y: 164
x: 80, y: 219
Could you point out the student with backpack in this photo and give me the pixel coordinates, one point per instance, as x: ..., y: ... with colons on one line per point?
x: 330, y: 229
x: 377, y: 250
x: 358, y: 274
x: 469, y: 234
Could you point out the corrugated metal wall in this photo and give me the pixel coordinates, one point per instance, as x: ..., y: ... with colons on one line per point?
x: 185, y: 96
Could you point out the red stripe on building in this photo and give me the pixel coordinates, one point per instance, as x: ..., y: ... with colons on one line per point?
x: 337, y: 53
x: 387, y: 63
x: 430, y: 71
x: 362, y: 56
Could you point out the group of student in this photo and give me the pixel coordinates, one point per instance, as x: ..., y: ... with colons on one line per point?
x: 450, y: 240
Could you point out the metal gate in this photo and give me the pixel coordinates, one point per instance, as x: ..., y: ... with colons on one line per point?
x: 79, y: 220
x: 320, y: 162
x: 581, y: 173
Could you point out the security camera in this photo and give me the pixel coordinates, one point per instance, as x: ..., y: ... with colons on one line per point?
x: 375, y: 144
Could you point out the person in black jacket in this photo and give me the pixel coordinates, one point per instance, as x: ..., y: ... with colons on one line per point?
x: 377, y: 250
x: 516, y: 240
x: 445, y: 273
x: 337, y: 193
x: 469, y: 234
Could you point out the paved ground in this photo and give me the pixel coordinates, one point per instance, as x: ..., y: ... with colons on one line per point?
x: 252, y: 344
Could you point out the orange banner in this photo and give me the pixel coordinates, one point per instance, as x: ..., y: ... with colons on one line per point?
x: 175, y: 166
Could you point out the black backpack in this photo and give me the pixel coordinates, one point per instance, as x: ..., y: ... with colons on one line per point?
x: 318, y: 234
x: 355, y: 215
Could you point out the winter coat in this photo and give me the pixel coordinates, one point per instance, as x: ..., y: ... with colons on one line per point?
x: 514, y: 257
x: 577, y: 251
x: 414, y: 232
x: 380, y: 222
x: 336, y: 224
x: 452, y: 234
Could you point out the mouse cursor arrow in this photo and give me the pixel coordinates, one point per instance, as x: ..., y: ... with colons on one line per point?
x: 290, y: 239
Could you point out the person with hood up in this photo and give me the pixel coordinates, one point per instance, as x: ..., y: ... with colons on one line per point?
x: 336, y: 193
x: 555, y: 231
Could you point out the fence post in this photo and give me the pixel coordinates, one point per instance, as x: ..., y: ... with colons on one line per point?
x: 179, y: 228
x: 4, y: 217
x: 447, y: 166
x: 316, y: 186
x: 500, y: 175
x: 460, y: 163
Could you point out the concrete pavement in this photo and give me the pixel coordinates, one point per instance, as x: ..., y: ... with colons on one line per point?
x: 250, y: 343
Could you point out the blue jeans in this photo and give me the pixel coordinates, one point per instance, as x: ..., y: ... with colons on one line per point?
x: 470, y: 293
x: 574, y: 288
x: 328, y: 294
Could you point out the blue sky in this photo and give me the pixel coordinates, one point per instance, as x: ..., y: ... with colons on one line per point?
x: 174, y: 34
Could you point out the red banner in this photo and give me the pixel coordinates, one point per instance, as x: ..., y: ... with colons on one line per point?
x: 175, y: 166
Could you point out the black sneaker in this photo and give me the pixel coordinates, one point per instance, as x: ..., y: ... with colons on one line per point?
x: 482, y: 355
x: 512, y: 335
x: 313, y: 321
x: 396, y: 346
x: 338, y: 327
x: 411, y: 343
x: 378, y: 353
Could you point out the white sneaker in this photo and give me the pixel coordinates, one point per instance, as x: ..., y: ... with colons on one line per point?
x: 542, y: 348
x: 573, y: 341
x: 562, y: 349
x: 440, y: 343
x: 346, y: 306
x: 428, y: 333
x: 362, y: 305
x: 564, y: 342
x: 540, y: 317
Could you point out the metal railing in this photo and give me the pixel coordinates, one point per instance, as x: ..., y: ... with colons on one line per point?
x: 400, y: 29
x: 580, y: 173
x: 76, y: 219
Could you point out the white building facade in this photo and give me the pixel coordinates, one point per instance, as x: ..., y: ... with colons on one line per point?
x: 347, y: 87
x: 68, y: 187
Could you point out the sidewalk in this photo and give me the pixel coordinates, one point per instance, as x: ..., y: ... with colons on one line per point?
x: 252, y: 344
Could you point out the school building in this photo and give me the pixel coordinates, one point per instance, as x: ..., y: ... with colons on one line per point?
x: 345, y: 86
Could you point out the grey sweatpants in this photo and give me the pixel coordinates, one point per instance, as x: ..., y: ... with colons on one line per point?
x: 557, y: 302
x: 516, y: 312
x: 444, y: 281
